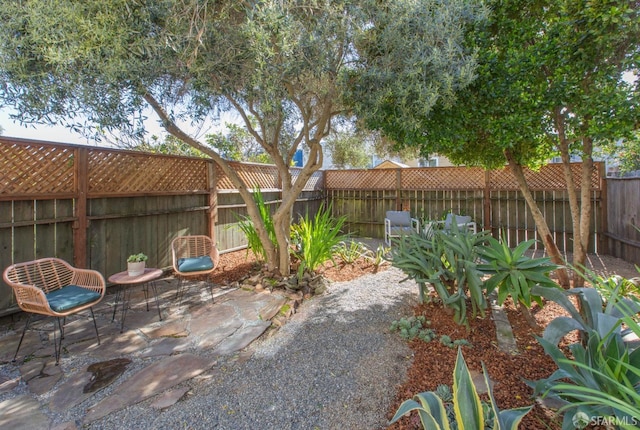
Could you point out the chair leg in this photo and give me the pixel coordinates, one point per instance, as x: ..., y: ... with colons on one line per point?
x: 210, y: 283
x: 179, y: 289
x: 95, y: 325
x: 57, y: 344
x: 24, y: 330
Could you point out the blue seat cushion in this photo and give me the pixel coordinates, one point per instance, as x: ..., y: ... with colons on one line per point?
x: 195, y: 264
x: 70, y: 297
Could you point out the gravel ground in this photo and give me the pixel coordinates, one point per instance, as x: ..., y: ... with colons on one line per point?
x: 334, y: 365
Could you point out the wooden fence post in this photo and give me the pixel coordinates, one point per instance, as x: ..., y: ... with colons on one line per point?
x: 398, y: 189
x: 487, y: 200
x: 603, y: 241
x: 80, y: 225
x: 213, y: 200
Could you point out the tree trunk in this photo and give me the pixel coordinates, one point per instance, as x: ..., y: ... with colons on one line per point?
x: 541, y: 223
x: 580, y: 207
x: 580, y: 259
x: 247, y: 197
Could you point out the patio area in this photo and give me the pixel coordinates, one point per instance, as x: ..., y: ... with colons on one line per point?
x: 154, y: 356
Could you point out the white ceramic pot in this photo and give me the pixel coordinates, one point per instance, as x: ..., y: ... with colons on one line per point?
x: 136, y: 268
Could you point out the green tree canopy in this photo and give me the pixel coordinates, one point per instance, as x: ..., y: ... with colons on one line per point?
x: 549, y: 81
x: 96, y: 65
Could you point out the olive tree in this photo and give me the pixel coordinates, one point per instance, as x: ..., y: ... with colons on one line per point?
x: 97, y: 65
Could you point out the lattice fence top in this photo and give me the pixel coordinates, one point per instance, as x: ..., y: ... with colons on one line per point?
x: 378, y: 179
x: 549, y: 177
x: 36, y: 169
x: 113, y: 172
x: 451, y: 178
x: 254, y: 175
x: 264, y: 176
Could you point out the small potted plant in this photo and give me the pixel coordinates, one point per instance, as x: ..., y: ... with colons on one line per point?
x: 136, y: 264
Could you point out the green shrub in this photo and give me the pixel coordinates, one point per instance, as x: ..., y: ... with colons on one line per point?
x: 316, y: 239
x: 248, y: 228
x: 464, y: 410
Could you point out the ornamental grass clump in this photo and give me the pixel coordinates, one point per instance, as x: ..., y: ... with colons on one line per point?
x: 246, y: 225
x: 316, y: 239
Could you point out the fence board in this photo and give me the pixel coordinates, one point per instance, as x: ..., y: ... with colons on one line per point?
x: 623, y: 217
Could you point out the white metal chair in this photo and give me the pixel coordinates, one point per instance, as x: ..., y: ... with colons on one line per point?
x: 52, y: 287
x: 192, y: 257
x: 461, y: 221
x: 399, y: 223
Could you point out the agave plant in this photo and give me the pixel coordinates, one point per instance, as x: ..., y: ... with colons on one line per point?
x: 447, y: 261
x: 603, y: 377
x: 468, y: 411
x: 513, y: 273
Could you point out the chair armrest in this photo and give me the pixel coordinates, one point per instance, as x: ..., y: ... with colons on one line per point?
x: 89, y: 279
x: 415, y: 223
x: 31, y: 299
x: 387, y: 224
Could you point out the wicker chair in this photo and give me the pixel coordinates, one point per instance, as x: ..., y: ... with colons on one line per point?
x: 193, y: 256
x: 52, y: 287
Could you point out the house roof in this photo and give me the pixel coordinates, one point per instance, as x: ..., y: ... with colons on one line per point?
x: 389, y: 164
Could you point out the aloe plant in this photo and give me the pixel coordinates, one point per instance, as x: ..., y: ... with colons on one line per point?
x: 468, y: 411
x: 448, y: 262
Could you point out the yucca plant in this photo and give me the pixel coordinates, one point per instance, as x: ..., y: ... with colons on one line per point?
x: 468, y: 411
x: 316, y: 239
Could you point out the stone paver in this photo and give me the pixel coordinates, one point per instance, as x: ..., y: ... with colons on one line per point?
x: 188, y: 339
x: 22, y: 413
x: 152, y: 380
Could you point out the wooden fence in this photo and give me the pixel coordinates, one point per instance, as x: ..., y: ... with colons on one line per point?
x: 623, y: 218
x: 95, y: 206
x: 492, y: 198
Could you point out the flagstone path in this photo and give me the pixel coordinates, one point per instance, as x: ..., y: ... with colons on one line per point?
x: 150, y: 358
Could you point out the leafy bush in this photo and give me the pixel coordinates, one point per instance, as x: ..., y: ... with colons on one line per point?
x: 466, y: 411
x: 248, y: 228
x: 448, y: 262
x: 315, y: 240
x: 603, y: 378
